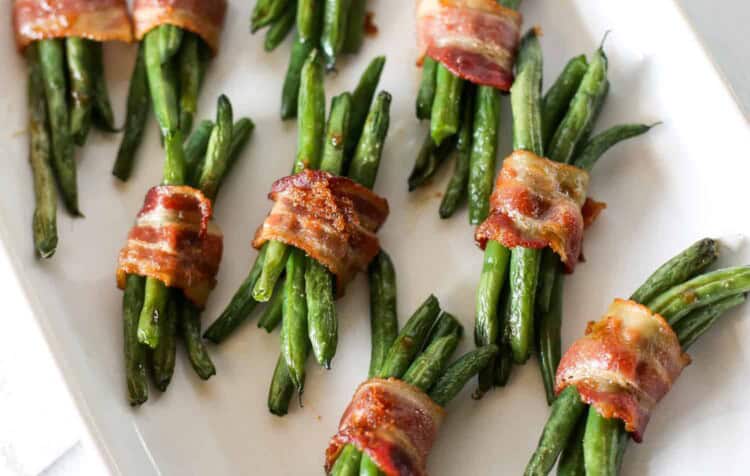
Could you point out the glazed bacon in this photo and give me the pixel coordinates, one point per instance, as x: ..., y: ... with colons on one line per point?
x: 538, y: 203
x: 625, y: 364
x: 174, y: 241
x: 205, y: 18
x: 99, y: 20
x: 475, y: 39
x: 333, y: 219
x: 393, y: 422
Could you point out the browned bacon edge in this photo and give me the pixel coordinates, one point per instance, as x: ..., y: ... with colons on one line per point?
x: 394, y: 423
x: 203, y: 17
x: 98, y: 20
x: 174, y: 242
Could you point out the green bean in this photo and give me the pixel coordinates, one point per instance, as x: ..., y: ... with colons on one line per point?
x: 162, y: 80
x: 601, y: 143
x: 266, y: 12
x: 190, y: 327
x: 294, y: 336
x: 348, y: 462
x: 429, y: 160
x: 425, y: 370
x: 240, y: 306
x: 504, y: 361
x: 700, y: 291
x: 78, y: 54
x: 597, y: 106
x: 527, y: 134
x: 192, y: 67
x: 103, y: 117
x: 309, y: 20
x: 461, y: 371
x: 446, y: 110
x: 383, y: 318
x: 411, y: 339
x: 601, y: 444
x: 219, y: 147
x: 446, y: 325
x: 487, y: 323
x: 272, y: 314
x: 45, y: 211
x: 549, y: 269
x: 548, y: 343
x: 337, y: 131
x: 456, y: 191
x: 321, y: 312
x: 281, y: 389
x: 52, y: 60
x: 366, y: 161
x: 312, y: 112
x: 195, y: 151
x: 335, y: 17
x: 154, y: 308
x: 362, y: 100
x: 241, y: 133
x: 280, y: 28
x: 139, y: 103
x: 368, y: 467
x: 525, y: 96
x: 426, y: 95
x: 290, y: 90
x: 581, y: 111
x: 170, y: 39
x: 355, y: 30
x: 523, y: 274
x: 695, y: 324
x: 556, y: 101
x: 135, y: 354
x: 571, y: 460
x: 567, y: 410
x: 163, y: 356
x: 687, y: 264
x: 273, y: 265
x: 483, y: 152
x: 512, y: 4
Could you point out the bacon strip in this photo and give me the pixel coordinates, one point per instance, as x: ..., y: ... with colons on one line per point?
x: 99, y: 20
x: 538, y: 203
x: 174, y: 241
x: 333, y: 219
x: 205, y: 18
x: 625, y: 364
x: 393, y: 422
x: 475, y: 39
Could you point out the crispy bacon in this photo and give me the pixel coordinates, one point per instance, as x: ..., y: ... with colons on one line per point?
x: 174, y: 241
x: 393, y: 422
x: 333, y: 219
x: 475, y: 39
x: 205, y: 18
x: 625, y: 364
x: 538, y: 203
x: 99, y: 20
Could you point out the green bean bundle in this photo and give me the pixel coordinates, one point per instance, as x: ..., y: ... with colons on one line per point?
x: 419, y: 355
x: 595, y: 444
x: 210, y: 154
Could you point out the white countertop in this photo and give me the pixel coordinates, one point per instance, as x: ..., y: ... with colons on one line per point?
x: 42, y: 432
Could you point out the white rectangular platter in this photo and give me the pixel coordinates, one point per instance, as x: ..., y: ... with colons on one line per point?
x: 687, y: 179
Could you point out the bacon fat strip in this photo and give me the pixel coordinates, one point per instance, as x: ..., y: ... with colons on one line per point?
x: 476, y: 40
x: 174, y: 241
x: 625, y: 364
x: 333, y: 219
x: 538, y: 203
x: 205, y: 18
x: 393, y: 422
x: 98, y: 20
